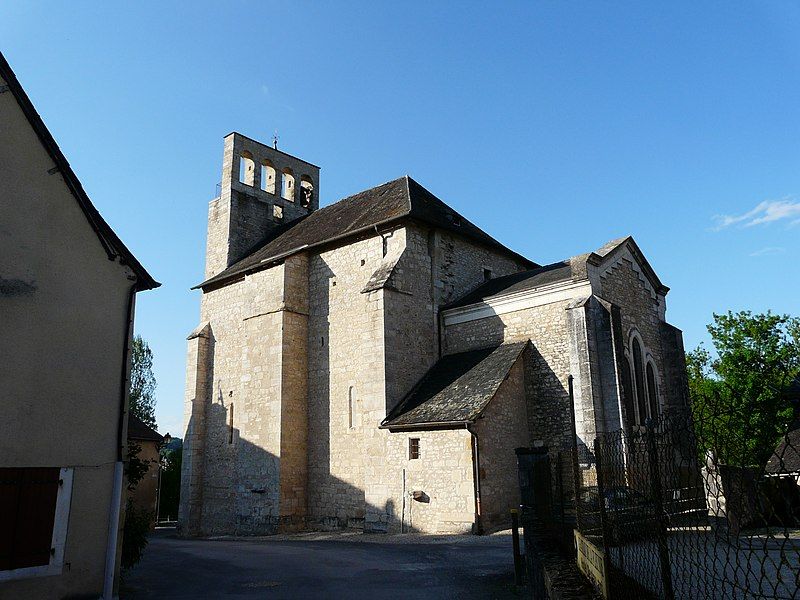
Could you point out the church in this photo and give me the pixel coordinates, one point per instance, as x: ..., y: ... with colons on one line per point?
x: 374, y: 363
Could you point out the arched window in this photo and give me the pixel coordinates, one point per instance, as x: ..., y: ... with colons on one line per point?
x: 351, y: 408
x: 306, y: 191
x: 627, y: 386
x: 247, y: 168
x: 652, y: 391
x: 267, y: 177
x: 638, y: 375
x: 287, y: 185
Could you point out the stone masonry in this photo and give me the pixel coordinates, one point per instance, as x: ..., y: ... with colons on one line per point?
x: 315, y: 325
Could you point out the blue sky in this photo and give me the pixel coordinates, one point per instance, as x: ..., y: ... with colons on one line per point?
x: 554, y: 126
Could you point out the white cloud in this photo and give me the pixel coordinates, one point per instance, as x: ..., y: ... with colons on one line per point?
x: 769, y: 251
x: 768, y: 211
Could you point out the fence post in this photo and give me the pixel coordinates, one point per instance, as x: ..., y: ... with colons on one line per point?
x: 603, y: 516
x: 515, y: 542
x: 560, y: 483
x: 658, y: 501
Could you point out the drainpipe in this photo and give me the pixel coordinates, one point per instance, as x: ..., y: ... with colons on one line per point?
x: 476, y: 477
x: 438, y: 319
x: 116, y: 492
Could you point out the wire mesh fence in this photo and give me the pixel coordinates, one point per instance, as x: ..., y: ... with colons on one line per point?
x: 679, y: 508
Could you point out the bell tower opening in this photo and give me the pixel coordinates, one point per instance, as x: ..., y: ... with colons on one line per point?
x: 252, y: 201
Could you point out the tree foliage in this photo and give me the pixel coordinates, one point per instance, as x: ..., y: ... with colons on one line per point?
x: 137, y: 521
x: 739, y: 398
x: 136, y: 468
x: 134, y: 534
x: 143, y: 382
x: 142, y: 404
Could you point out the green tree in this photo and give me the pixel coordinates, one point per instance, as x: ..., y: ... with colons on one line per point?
x: 738, y: 399
x: 137, y: 521
x: 143, y: 382
x: 142, y: 404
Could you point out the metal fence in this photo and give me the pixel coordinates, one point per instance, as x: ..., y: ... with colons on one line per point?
x: 660, y: 514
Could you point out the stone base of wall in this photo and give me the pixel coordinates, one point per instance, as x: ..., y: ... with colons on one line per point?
x: 270, y: 525
x: 334, y: 524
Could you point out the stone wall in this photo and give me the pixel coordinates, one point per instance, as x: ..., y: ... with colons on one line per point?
x: 345, y: 360
x: 443, y: 473
x: 410, y: 323
x: 433, y: 269
x: 676, y: 393
x: 375, y: 346
x: 294, y: 394
x: 624, y: 285
x: 502, y: 428
x: 547, y: 364
x: 584, y: 336
x: 459, y: 266
x: 594, y: 369
x: 194, y: 439
x: 247, y: 430
x: 244, y: 213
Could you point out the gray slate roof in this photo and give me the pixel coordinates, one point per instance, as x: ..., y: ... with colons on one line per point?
x: 457, y: 388
x: 574, y: 269
x: 564, y: 270
x: 139, y: 430
x: 399, y: 199
x: 786, y: 458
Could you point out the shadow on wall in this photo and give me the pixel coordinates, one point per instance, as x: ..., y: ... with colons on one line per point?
x: 332, y: 501
x: 549, y: 418
x: 239, y: 495
x: 231, y: 485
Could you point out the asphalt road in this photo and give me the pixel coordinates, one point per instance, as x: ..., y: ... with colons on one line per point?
x: 324, y: 566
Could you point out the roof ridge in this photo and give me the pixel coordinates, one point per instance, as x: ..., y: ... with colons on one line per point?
x: 369, y: 189
x: 378, y: 206
x: 113, y: 246
x: 408, y: 193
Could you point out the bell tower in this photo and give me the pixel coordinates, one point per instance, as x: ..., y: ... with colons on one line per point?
x: 262, y: 188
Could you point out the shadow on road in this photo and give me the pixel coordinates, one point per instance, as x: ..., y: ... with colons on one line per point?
x: 324, y: 565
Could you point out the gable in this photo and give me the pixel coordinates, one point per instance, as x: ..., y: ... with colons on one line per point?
x: 58, y: 166
x: 625, y: 251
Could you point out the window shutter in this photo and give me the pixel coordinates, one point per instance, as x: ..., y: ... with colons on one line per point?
x: 27, y: 514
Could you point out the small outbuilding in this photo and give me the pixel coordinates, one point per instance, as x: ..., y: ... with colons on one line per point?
x: 148, y: 441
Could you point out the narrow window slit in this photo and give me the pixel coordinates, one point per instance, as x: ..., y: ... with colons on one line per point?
x: 230, y: 424
x: 413, y: 448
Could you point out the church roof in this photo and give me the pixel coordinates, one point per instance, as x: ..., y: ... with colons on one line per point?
x: 112, y: 245
x: 571, y: 269
x: 400, y: 199
x: 457, y: 389
x: 519, y: 282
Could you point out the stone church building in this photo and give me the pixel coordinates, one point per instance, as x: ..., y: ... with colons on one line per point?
x: 374, y: 363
